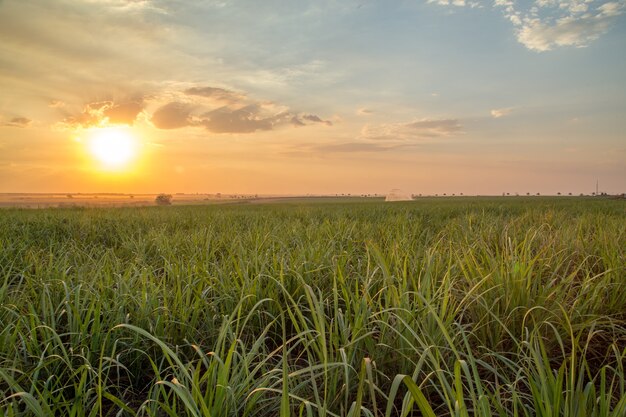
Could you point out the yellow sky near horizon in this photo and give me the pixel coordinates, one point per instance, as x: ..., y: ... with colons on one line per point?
x: 322, y: 99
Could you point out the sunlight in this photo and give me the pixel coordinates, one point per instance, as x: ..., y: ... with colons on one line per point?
x: 113, y: 147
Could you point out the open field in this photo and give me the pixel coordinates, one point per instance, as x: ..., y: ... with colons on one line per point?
x: 60, y: 200
x: 437, y: 307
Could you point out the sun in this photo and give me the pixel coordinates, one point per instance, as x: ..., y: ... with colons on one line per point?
x: 113, y: 147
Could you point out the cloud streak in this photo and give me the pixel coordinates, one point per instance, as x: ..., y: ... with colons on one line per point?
x: 20, y: 122
x: 413, y: 131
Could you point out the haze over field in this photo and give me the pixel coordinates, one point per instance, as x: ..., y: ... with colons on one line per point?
x: 148, y: 96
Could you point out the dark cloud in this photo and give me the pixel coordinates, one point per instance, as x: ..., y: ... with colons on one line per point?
x: 297, y: 122
x: 18, y: 122
x: 173, y: 116
x: 216, y: 93
x: 245, y: 120
x: 236, y: 113
x: 316, y: 119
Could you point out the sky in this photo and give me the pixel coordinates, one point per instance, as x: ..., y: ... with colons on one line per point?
x: 313, y: 97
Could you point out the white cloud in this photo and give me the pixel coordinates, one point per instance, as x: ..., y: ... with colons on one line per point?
x: 544, y: 25
x: 568, y: 31
x: 577, y: 23
x: 497, y: 113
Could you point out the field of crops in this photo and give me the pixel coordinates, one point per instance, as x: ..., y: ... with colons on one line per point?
x: 437, y: 307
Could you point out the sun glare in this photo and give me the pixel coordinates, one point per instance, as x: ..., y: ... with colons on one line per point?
x: 113, y: 147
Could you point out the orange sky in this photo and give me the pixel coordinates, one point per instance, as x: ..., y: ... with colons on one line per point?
x: 290, y: 98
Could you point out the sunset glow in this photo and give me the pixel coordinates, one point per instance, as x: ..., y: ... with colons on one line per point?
x: 325, y: 97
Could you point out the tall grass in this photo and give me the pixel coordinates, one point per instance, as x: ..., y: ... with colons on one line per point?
x: 503, y: 307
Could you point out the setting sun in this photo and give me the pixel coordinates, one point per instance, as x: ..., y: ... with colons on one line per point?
x: 113, y: 147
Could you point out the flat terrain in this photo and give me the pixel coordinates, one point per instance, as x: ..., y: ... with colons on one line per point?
x: 60, y: 200
x: 435, y: 307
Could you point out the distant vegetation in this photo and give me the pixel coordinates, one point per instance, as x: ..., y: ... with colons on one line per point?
x: 437, y: 307
x: 163, y: 199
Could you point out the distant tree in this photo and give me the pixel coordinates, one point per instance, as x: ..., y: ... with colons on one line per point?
x: 163, y: 199
x: 527, y: 193
x: 569, y: 193
x: 70, y: 196
x: 131, y: 196
x: 559, y: 193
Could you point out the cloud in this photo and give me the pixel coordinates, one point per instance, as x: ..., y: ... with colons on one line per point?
x: 497, y: 113
x: 350, y: 147
x: 102, y: 113
x: 317, y: 149
x: 543, y: 25
x: 173, y: 115
x: 542, y: 36
x: 125, y: 112
x: 248, y: 119
x: 316, y: 119
x: 18, y: 122
x: 297, y: 122
x: 364, y: 112
x: 216, y: 93
x: 236, y: 113
x: 412, y: 131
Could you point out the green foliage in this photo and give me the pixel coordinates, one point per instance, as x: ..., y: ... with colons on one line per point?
x: 466, y: 307
x: 163, y: 199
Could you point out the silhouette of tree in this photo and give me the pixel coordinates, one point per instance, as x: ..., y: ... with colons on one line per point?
x: 163, y: 199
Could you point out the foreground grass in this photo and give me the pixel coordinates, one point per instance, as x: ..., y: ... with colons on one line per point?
x: 504, y: 307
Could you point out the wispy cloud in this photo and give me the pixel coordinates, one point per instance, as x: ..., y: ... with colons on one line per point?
x: 412, y: 131
x: 18, y: 122
x: 216, y: 93
x: 497, y: 113
x: 364, y: 111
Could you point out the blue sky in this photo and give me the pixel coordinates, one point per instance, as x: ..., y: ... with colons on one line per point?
x: 316, y: 97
